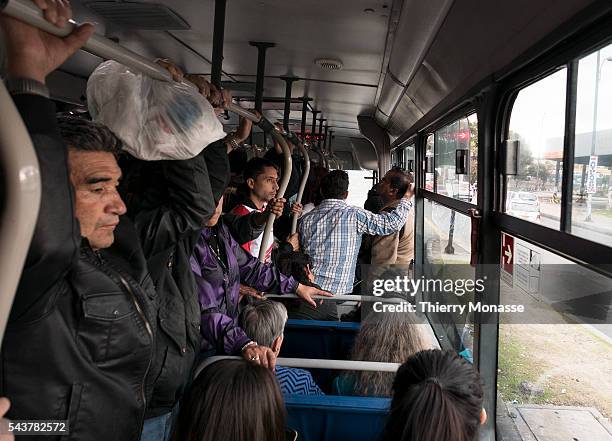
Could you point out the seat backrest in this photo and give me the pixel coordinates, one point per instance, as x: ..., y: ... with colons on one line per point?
x: 335, y: 418
x: 318, y: 339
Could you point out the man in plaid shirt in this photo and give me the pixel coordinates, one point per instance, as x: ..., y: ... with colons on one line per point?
x: 331, y: 233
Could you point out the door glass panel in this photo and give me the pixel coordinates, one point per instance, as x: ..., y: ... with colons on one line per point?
x: 554, y: 362
x: 447, y: 258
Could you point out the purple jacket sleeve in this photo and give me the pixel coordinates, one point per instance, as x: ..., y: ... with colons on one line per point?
x: 261, y: 276
x: 217, y: 328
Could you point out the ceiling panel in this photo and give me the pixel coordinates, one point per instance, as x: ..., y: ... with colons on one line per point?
x: 301, y: 32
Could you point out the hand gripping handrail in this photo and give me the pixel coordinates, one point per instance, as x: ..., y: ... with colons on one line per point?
x: 97, y: 45
x: 313, y: 363
x: 287, y: 166
x: 23, y: 192
x: 298, y: 200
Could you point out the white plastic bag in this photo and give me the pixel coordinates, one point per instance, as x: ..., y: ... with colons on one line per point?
x: 155, y: 119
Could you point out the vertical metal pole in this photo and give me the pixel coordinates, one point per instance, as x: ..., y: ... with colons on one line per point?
x: 305, y: 100
x: 218, y: 36
x: 288, y: 85
x: 313, y: 130
x: 325, y: 140
x: 321, y: 120
x: 261, y: 71
x: 569, y: 148
x: 329, y: 143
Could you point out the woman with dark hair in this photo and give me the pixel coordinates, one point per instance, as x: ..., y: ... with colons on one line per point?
x: 383, y: 337
x: 233, y: 400
x: 437, y: 396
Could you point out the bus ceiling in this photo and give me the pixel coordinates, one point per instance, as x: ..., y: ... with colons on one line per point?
x: 443, y: 48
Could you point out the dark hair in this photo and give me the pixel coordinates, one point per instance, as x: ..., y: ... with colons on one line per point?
x: 238, y: 159
x: 232, y: 400
x: 312, y: 192
x: 400, y: 179
x: 85, y: 135
x: 294, y: 264
x: 439, y: 388
x: 335, y: 185
x: 256, y: 167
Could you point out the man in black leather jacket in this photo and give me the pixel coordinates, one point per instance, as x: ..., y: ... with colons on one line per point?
x: 79, y: 344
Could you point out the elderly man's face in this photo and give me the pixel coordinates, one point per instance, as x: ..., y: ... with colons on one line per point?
x: 95, y: 177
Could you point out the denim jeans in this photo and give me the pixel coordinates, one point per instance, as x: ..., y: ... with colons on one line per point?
x: 159, y: 428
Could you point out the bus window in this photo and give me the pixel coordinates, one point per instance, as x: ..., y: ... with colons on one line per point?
x: 408, y: 164
x: 559, y: 351
x: 592, y: 182
x: 538, y: 122
x: 360, y: 182
x: 429, y: 155
x: 461, y: 135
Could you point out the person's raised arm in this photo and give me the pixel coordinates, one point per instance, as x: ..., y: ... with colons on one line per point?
x: 32, y: 55
x: 388, y: 222
x: 190, y: 196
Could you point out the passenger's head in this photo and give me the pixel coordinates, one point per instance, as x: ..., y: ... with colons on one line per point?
x: 232, y: 400
x: 94, y: 173
x: 264, y: 322
x: 394, y: 184
x: 261, y: 179
x: 441, y: 389
x: 389, y: 338
x: 312, y: 192
x: 298, y: 265
x: 335, y: 185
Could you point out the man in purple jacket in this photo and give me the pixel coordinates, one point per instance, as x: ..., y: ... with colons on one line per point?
x: 220, y: 265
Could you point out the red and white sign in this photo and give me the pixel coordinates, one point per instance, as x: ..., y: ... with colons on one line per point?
x: 507, y: 253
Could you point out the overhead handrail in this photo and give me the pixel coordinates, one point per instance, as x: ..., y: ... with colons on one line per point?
x: 100, y: 46
x: 282, y: 186
x: 313, y: 363
x: 295, y: 140
x: 341, y: 298
x: 22, y: 200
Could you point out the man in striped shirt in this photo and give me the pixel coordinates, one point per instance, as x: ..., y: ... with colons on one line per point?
x: 331, y: 233
x: 264, y: 321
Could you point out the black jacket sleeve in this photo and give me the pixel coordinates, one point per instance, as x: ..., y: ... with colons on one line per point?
x: 175, y: 206
x: 242, y: 227
x: 56, y: 238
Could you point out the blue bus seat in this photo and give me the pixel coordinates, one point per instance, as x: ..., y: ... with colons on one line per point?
x: 318, y: 339
x: 328, y: 340
x: 335, y: 418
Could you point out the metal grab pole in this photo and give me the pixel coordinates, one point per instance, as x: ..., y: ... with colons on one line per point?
x: 102, y: 47
x: 23, y: 193
x: 313, y: 363
x: 287, y: 166
x: 27, y: 12
x: 300, y: 193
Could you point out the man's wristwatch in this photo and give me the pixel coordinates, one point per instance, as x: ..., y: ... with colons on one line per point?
x: 26, y: 86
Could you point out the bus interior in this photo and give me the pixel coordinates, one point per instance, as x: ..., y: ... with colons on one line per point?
x: 500, y: 110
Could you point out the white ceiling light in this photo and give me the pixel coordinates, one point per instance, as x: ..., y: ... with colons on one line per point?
x: 329, y: 63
